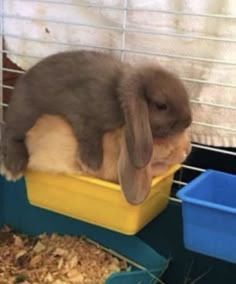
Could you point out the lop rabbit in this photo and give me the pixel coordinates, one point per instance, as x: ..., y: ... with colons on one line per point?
x: 96, y: 93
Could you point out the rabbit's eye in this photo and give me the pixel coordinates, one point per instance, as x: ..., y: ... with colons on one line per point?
x: 161, y: 106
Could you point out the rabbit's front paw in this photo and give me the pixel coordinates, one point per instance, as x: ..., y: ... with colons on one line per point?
x: 15, y: 160
x: 91, y: 155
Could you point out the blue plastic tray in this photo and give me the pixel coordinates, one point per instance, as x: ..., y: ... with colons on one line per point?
x: 209, y: 215
x: 16, y: 211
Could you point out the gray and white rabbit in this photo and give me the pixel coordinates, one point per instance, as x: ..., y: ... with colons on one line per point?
x: 96, y: 93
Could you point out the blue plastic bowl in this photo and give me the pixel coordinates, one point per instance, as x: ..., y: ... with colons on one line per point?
x: 209, y: 215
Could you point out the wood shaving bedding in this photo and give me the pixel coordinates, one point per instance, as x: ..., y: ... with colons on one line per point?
x: 53, y: 259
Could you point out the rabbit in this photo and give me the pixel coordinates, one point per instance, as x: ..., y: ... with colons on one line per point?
x: 52, y: 148
x: 95, y: 93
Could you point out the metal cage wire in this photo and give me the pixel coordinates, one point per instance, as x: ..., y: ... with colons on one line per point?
x: 123, y: 30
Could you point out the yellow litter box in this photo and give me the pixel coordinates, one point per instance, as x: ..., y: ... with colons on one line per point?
x: 96, y: 201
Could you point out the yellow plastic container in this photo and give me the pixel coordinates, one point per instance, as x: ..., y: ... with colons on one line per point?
x: 96, y: 201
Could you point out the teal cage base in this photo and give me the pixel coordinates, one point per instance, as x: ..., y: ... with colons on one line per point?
x: 15, y: 211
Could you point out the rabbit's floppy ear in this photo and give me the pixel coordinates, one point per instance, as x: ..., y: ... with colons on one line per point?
x: 138, y: 134
x: 135, y: 183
